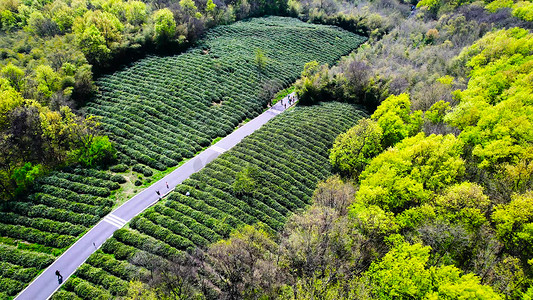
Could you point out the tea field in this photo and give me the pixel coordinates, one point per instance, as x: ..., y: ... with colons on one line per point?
x: 163, y: 109
x: 270, y: 174
x: 37, y: 229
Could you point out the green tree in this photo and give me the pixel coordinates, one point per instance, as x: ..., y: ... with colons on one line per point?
x: 14, y: 75
x: 494, y: 113
x: 25, y: 175
x: 412, y: 172
x: 93, y: 44
x: 40, y: 25
x: 8, y: 20
x: 260, y: 59
x: 136, y: 12
x: 59, y: 130
x: 48, y: 81
x: 403, y: 274
x: 372, y: 221
x: 314, y: 85
x: 107, y: 24
x: 464, y: 202
x: 395, y: 119
x: 514, y: 224
x: 98, y: 151
x: 9, y: 100
x: 190, y: 8
x: 523, y: 10
x: 437, y: 111
x: 354, y: 149
x: 164, y: 25
x: 210, y: 7
x: 62, y: 15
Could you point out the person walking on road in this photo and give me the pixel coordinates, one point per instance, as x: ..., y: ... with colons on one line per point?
x: 167, y: 184
x: 59, y: 277
x: 158, y: 193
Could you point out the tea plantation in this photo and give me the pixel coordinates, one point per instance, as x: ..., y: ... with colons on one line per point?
x: 161, y: 110
x: 35, y: 230
x: 164, y: 109
x: 270, y: 174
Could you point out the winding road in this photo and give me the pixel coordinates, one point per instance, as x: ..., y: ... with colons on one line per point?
x: 44, y: 286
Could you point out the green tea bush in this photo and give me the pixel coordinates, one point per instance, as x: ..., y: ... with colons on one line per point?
x: 142, y: 169
x: 119, y: 168
x: 23, y: 258
x: 19, y: 273
x: 113, y: 284
x: 118, y: 178
x: 36, y: 236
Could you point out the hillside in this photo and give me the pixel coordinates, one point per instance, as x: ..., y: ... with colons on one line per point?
x: 163, y: 109
x: 265, y: 178
x: 429, y: 196
x: 157, y: 113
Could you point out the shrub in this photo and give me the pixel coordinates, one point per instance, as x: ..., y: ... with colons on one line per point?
x: 24, y: 258
x: 99, y: 152
x: 119, y: 168
x: 142, y: 169
x: 118, y: 178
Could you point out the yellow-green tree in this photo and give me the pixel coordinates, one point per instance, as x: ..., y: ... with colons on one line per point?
x: 410, y: 173
x: 354, y: 149
x: 465, y: 203
x: 514, y: 224
x: 164, y: 25
x: 14, y: 75
x: 495, y: 112
x: 403, y: 274
x: 394, y: 117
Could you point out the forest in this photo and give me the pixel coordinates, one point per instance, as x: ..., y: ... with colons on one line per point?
x: 404, y: 172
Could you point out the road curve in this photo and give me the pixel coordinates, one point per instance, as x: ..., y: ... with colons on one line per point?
x: 44, y: 286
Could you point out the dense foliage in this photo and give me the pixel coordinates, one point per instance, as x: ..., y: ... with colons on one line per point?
x: 436, y: 201
x: 519, y: 9
x: 443, y: 176
x: 267, y: 176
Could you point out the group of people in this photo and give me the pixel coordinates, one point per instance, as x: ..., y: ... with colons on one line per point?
x: 159, y: 193
x: 291, y: 99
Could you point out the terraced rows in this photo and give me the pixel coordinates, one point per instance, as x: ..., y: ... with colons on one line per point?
x: 34, y: 231
x: 164, y: 109
x: 286, y: 158
x: 159, y: 111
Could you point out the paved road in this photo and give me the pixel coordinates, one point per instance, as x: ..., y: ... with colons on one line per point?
x: 46, y: 284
